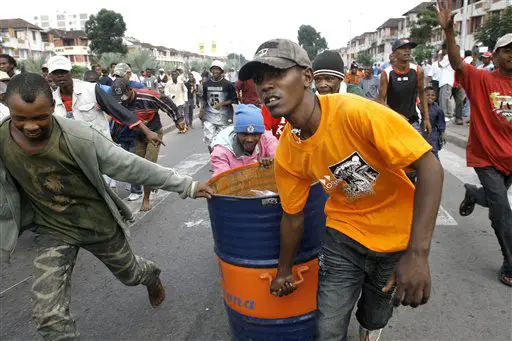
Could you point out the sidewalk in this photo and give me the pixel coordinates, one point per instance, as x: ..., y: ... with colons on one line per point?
x: 458, y: 135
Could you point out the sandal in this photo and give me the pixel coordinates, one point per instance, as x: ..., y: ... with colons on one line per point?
x: 468, y: 204
x: 505, y: 279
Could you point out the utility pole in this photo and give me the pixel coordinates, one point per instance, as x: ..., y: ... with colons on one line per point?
x: 463, y: 29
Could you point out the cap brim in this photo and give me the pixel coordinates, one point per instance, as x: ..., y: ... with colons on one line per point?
x: 59, y: 68
x: 248, y: 70
x: 411, y: 44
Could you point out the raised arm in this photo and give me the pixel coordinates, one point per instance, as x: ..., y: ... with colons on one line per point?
x: 444, y: 14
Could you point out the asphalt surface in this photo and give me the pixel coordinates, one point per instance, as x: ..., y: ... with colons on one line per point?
x: 467, y: 303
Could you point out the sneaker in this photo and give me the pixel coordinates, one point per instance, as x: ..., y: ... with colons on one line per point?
x: 369, y: 335
x: 133, y: 197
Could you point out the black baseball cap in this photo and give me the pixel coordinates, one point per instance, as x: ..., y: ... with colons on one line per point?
x: 120, y: 89
x: 401, y: 43
x: 278, y: 53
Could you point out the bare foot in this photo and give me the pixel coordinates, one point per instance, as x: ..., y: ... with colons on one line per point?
x: 146, y: 206
x: 156, y: 293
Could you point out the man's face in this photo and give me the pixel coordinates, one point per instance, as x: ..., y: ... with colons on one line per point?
x: 503, y: 58
x: 34, y: 120
x: 216, y: 72
x: 174, y: 76
x: 327, y: 84
x: 191, y: 78
x: 353, y: 70
x: 62, y: 78
x: 5, y: 66
x: 403, y: 54
x: 431, y: 96
x: 486, y: 60
x: 282, y: 90
x: 249, y: 141
x: 128, y: 75
x: 45, y: 72
x: 112, y: 68
x: 368, y: 73
x: 97, y: 69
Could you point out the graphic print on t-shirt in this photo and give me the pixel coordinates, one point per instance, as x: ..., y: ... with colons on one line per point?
x: 356, y: 174
x: 502, y: 105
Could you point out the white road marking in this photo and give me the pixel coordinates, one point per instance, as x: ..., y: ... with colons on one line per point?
x: 194, y: 223
x: 456, y: 165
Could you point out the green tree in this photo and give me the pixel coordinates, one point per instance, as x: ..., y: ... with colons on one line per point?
x: 494, y: 27
x: 364, y: 58
x: 140, y: 60
x: 78, y: 71
x: 311, y: 40
x: 421, y: 30
x: 108, y: 58
x: 238, y: 57
x: 105, y: 31
x: 422, y: 53
x: 34, y: 64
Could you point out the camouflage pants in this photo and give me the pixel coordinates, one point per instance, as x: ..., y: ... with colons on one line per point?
x: 51, y: 290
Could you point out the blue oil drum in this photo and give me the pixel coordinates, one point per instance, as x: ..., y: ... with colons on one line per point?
x: 246, y: 231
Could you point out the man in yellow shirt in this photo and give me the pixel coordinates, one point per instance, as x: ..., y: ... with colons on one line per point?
x: 379, y: 227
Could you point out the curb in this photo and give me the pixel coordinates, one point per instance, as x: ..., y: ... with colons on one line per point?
x: 171, y: 127
x: 456, y: 139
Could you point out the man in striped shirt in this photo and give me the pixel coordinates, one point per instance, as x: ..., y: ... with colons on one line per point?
x: 146, y: 104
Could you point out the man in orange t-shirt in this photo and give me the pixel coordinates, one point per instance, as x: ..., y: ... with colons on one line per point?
x: 379, y: 228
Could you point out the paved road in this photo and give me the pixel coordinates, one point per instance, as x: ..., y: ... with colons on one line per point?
x: 468, y: 303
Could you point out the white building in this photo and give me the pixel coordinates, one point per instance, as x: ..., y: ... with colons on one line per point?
x: 62, y: 21
x: 23, y: 40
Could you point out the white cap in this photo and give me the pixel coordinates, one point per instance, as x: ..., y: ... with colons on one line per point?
x: 161, y: 69
x: 218, y: 64
x: 58, y: 63
x: 503, y: 41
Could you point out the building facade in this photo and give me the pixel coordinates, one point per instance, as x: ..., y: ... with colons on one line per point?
x: 62, y: 21
x: 23, y: 40
x: 72, y: 44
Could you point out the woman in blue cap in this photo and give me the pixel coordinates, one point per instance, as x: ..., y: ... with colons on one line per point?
x: 244, y: 143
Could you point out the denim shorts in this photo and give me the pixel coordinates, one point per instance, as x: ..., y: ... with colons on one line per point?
x: 350, y: 273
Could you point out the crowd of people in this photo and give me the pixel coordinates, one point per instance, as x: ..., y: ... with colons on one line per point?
x: 375, y: 135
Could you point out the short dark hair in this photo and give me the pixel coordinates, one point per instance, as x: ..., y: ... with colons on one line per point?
x: 29, y: 86
x: 10, y: 59
x: 468, y: 53
x: 90, y: 74
x: 430, y: 88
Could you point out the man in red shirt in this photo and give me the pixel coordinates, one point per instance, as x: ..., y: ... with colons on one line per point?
x: 246, y: 92
x: 489, y: 148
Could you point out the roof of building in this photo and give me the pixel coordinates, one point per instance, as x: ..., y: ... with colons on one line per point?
x: 420, y: 8
x: 17, y: 23
x: 391, y: 23
x: 67, y: 34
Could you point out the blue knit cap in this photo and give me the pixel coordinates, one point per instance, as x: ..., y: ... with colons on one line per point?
x: 248, y: 119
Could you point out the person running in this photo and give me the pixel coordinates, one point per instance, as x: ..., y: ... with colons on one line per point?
x: 219, y: 95
x: 378, y: 240
x: 401, y: 84
x: 150, y: 80
x: 489, y: 148
x: 369, y: 84
x: 58, y: 165
x: 146, y: 104
x: 9, y: 65
x: 244, y: 143
x: 87, y: 102
x: 191, y: 85
x: 246, y: 92
x: 176, y: 90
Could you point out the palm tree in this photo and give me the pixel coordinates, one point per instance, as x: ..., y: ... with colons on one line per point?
x: 33, y: 64
x: 109, y: 58
x: 140, y: 60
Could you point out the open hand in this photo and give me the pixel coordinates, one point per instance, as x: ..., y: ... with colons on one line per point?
x: 444, y: 14
x: 283, y: 285
x: 154, y: 138
x: 203, y: 191
x: 412, y: 280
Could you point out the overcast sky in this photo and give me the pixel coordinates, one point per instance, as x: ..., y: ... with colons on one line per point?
x: 183, y: 24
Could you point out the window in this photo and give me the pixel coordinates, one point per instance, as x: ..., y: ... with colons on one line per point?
x: 61, y: 17
x: 45, y: 24
x: 34, y: 36
x: 20, y: 34
x: 44, y: 17
x: 476, y: 23
x: 82, y: 23
x: 35, y: 18
x: 74, y: 16
x: 83, y: 16
x: 61, y: 24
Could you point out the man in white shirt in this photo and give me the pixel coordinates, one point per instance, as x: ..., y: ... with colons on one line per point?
x: 446, y: 81
x: 177, y: 91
